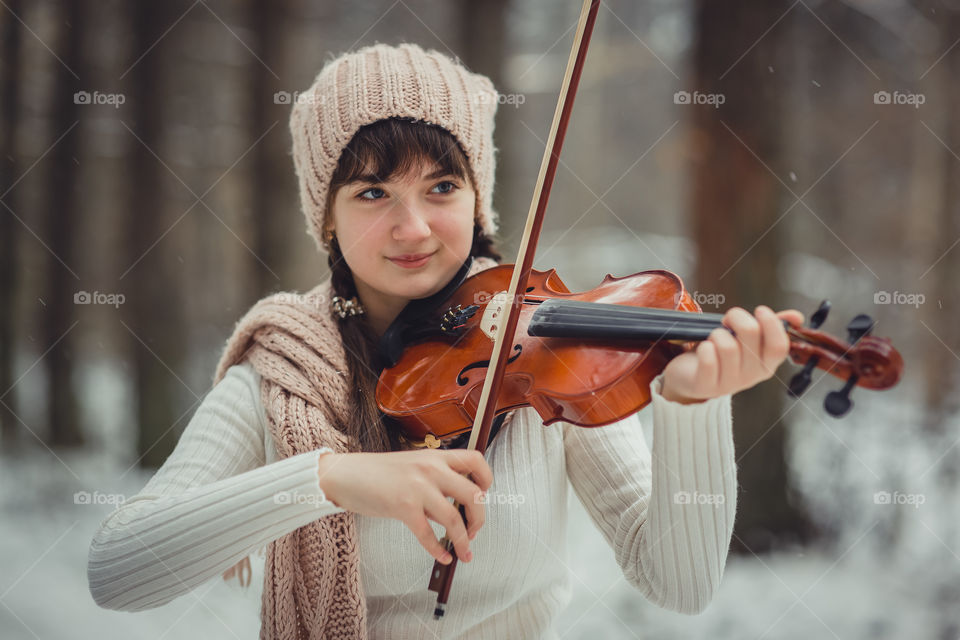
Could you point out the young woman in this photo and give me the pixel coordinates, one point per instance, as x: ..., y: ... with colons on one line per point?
x: 393, y: 147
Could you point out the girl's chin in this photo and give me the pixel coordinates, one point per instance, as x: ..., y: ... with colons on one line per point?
x: 418, y: 286
x: 418, y: 292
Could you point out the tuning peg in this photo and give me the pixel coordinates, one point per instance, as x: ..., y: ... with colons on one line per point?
x: 820, y: 315
x: 801, y: 380
x: 860, y: 326
x: 838, y: 403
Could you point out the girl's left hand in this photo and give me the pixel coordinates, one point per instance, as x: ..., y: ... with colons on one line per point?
x: 725, y: 363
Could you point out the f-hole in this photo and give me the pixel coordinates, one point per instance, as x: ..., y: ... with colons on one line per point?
x: 461, y: 377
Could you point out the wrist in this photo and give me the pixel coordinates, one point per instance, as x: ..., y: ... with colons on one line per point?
x: 325, y: 463
x: 667, y: 394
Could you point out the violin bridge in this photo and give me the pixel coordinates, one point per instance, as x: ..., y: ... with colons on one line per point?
x: 494, y: 314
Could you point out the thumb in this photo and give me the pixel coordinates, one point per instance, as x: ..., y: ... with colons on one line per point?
x: 792, y: 316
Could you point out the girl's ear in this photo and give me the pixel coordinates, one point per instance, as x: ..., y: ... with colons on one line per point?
x: 328, y: 228
x: 328, y: 223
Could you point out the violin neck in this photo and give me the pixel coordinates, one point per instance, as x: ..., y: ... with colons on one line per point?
x: 559, y: 318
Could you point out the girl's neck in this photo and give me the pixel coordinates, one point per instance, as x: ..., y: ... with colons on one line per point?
x: 379, y: 310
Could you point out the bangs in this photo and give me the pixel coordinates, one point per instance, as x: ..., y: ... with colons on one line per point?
x: 394, y: 146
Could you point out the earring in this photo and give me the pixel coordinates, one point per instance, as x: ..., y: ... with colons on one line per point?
x: 344, y: 308
x: 328, y: 237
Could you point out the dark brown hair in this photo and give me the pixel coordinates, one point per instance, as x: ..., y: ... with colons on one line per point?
x: 386, y: 148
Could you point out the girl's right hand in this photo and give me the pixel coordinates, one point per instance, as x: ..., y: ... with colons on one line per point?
x: 413, y: 486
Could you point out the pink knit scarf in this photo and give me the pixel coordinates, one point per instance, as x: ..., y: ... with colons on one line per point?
x: 311, y: 584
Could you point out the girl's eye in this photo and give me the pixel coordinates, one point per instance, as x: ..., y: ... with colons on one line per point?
x: 446, y: 183
x: 378, y: 193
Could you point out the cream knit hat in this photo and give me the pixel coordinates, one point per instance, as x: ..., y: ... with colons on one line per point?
x: 383, y: 81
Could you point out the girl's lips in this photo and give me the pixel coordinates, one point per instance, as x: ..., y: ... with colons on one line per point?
x: 412, y: 261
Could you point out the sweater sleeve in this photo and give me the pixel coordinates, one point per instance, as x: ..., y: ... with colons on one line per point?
x: 668, y: 516
x: 212, y: 503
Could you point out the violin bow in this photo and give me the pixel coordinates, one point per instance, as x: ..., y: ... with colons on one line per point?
x: 441, y: 577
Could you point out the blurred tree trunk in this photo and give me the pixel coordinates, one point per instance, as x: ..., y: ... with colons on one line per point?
x: 154, y: 307
x: 941, y: 365
x: 483, y: 43
x: 736, y: 200
x: 63, y: 208
x: 270, y: 173
x: 9, y: 170
x: 483, y: 37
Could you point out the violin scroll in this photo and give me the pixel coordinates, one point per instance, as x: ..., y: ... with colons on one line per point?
x: 863, y: 360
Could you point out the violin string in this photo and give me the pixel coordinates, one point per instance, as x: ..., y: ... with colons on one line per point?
x: 645, y: 320
x: 580, y: 319
x: 620, y: 331
x: 572, y: 310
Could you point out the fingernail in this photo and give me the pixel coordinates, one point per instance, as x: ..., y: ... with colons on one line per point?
x: 446, y: 558
x: 469, y: 556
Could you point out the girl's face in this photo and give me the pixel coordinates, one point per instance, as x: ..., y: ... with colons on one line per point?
x: 403, y: 239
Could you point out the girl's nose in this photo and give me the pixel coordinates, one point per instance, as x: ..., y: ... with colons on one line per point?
x: 412, y: 226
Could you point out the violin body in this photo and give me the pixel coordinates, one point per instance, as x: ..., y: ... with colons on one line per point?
x: 434, y: 390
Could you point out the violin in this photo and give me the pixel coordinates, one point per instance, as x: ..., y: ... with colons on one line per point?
x: 588, y: 358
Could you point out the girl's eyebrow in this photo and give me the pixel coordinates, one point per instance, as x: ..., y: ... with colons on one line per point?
x: 369, y: 178
x: 439, y: 173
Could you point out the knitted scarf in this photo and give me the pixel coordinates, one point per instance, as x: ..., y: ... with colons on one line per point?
x: 312, y: 586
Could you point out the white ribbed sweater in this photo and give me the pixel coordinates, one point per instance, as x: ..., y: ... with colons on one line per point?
x: 668, y: 517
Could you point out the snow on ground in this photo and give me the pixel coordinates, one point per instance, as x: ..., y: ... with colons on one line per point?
x: 892, y: 573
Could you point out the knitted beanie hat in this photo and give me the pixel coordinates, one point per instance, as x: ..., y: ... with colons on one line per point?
x: 382, y: 81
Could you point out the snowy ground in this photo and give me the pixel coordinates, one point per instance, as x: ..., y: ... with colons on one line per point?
x: 894, y: 572
x: 886, y: 488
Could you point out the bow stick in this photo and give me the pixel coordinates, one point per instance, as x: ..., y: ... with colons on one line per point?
x: 442, y: 576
